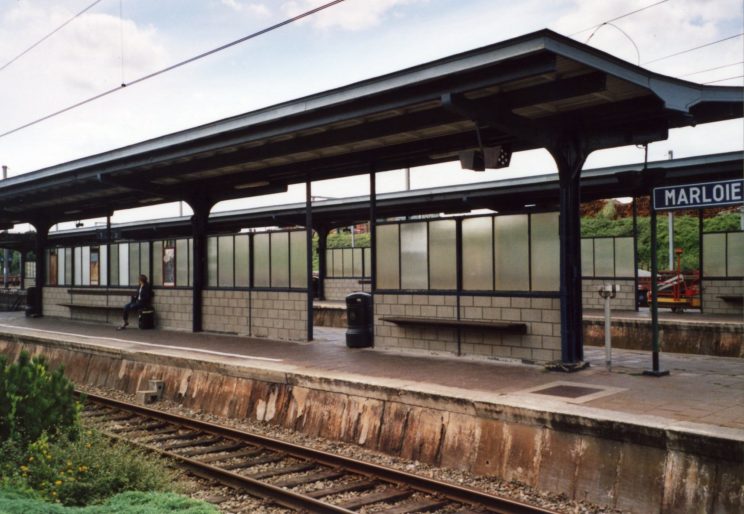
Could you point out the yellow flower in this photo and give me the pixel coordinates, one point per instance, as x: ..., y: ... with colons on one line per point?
x: 87, y: 445
x: 31, y: 458
x: 24, y: 468
x: 58, y: 482
x: 82, y: 469
x: 54, y: 493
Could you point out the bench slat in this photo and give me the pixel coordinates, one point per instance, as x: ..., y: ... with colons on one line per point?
x: 92, y: 307
x: 503, y: 326
x: 732, y: 298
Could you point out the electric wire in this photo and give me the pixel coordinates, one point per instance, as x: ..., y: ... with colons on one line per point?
x: 40, y: 41
x: 618, y: 17
x: 675, y: 54
x: 711, y: 69
x: 174, y: 66
x: 609, y: 24
x: 722, y: 80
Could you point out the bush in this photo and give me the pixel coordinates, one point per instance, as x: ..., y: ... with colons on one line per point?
x: 34, y: 401
x: 19, y: 502
x: 83, y: 470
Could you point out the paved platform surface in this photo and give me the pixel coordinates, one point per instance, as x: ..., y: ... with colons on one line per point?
x: 702, y: 392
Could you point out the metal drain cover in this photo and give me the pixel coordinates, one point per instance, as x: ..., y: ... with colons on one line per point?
x: 568, y: 391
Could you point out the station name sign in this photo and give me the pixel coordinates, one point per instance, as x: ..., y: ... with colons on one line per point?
x: 698, y: 196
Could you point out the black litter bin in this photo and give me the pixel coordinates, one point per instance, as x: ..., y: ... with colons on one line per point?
x: 359, y: 320
x: 146, y: 319
x: 31, y: 309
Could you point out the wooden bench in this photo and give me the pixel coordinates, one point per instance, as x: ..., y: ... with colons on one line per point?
x: 732, y: 298
x: 103, y: 292
x: 93, y: 307
x: 501, y: 326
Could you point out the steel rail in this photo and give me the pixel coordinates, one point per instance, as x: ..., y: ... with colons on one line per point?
x: 452, y: 492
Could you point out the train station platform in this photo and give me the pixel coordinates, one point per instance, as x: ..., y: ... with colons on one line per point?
x: 623, y: 439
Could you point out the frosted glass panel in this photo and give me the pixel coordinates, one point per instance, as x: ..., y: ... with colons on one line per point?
x: 191, y: 261
x: 714, y: 255
x: 124, y: 264
x: 61, y: 263
x: 280, y: 259
x: 387, y: 257
x: 157, y: 263
x: 414, y: 262
x: 78, y: 266
x: 134, y: 251
x: 182, y: 262
x: 226, y: 261
x: 624, y: 260
x: 545, y: 252
x: 587, y: 257
x: 298, y: 255
x: 367, y: 261
x: 242, y: 260
x: 358, y: 264
x: 443, y: 254
x: 348, y: 262
x: 114, y: 266
x: 736, y: 254
x: 329, y: 264
x: 85, y: 251
x: 604, y: 260
x: 145, y: 259
x: 211, y: 262
x: 338, y: 262
x: 511, y: 253
x: 261, y: 260
x: 103, y: 273
x: 477, y: 254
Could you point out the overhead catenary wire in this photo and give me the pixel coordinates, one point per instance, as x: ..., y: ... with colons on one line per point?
x: 175, y: 66
x: 630, y: 13
x: 711, y: 69
x: 40, y: 41
x: 675, y: 54
x: 722, y: 80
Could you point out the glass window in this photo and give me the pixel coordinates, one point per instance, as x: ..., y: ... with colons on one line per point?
x: 329, y: 263
x: 298, y: 255
x: 511, y: 249
x: 414, y: 262
x: 545, y: 247
x: 604, y: 257
x: 124, y: 264
x: 587, y: 257
x: 103, y: 272
x: 85, y: 265
x: 242, y: 260
x: 226, y: 274
x: 95, y: 266
x: 279, y: 259
x: 61, y: 264
x: 387, y: 257
x: 190, y: 274
x: 348, y: 262
x: 338, y: 262
x: 183, y: 257
x: 477, y: 253
x: 114, y: 265
x: 735, y: 254
x: 358, y: 262
x: 211, y: 262
x: 51, y: 266
x: 261, y: 260
x: 159, y: 264
x: 624, y: 259
x: 144, y: 260
x: 367, y: 261
x: 134, y: 262
x: 443, y: 254
x: 78, y: 266
x: 714, y: 255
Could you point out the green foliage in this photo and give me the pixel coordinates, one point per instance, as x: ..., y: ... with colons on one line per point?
x: 17, y: 502
x: 34, y: 400
x: 82, y: 470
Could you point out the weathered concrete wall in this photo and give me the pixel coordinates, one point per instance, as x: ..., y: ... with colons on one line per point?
x: 541, y: 343
x: 336, y: 289
x: 714, y: 289
x: 625, y: 299
x: 722, y: 340
x: 606, y: 460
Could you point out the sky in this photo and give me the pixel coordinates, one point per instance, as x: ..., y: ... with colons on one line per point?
x: 118, y: 41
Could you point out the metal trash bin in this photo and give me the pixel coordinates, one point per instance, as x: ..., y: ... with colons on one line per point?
x: 31, y: 305
x: 359, y: 320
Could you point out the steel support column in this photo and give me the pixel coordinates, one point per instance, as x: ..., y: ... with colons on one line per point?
x: 22, y: 271
x: 309, y: 259
x: 40, y: 243
x: 373, y: 231
x: 322, y: 263
x: 569, y: 154
x: 199, y: 223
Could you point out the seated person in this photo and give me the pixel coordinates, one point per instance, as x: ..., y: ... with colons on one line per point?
x: 140, y: 301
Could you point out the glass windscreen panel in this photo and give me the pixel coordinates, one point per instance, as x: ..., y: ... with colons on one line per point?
x: 735, y: 253
x: 124, y: 264
x: 242, y: 260
x: 358, y: 270
x: 587, y: 257
x: 545, y: 248
x: 511, y: 252
x: 182, y: 262
x: 134, y: 262
x: 261, y: 276
x: 225, y: 261
x: 78, y: 266
x: 211, y: 262
x: 338, y: 262
x: 367, y: 261
x: 604, y: 257
x: 624, y: 257
x: 103, y: 269
x: 144, y: 259
x: 157, y: 263
x: 114, y: 266
x: 443, y: 255
x: 61, y: 263
x: 348, y: 262
x: 298, y: 259
x: 714, y: 255
x: 477, y: 254
x: 388, y: 268
x: 414, y: 262
x: 279, y: 259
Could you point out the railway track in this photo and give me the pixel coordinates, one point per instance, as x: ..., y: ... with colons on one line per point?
x: 286, y: 474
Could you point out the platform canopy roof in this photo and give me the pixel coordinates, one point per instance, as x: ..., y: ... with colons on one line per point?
x: 509, y: 195
x: 516, y: 93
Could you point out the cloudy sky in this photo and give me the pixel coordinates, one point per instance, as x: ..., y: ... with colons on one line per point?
x: 122, y: 40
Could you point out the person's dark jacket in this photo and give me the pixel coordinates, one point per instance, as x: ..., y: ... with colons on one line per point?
x: 144, y: 294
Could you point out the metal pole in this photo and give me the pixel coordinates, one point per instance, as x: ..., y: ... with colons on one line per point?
x: 635, y: 252
x: 655, y: 371
x: 608, y: 336
x: 309, y: 250
x: 670, y: 235
x: 6, y: 253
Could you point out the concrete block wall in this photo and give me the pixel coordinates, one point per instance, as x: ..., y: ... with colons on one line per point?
x: 279, y: 315
x: 173, y: 309
x: 52, y: 297
x: 712, y: 289
x: 541, y: 343
x: 336, y: 289
x: 226, y: 311
x: 625, y: 299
